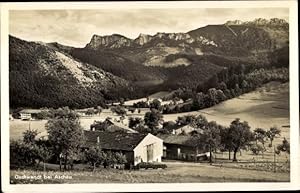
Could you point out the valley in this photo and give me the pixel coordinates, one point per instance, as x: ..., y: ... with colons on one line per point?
x: 265, y: 107
x: 209, y: 104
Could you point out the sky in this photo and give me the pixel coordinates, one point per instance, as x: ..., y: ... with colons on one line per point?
x: 76, y: 27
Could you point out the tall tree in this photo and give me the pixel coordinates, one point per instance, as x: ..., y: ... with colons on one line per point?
x: 272, y: 133
x: 284, y: 147
x: 65, y: 134
x: 260, y: 135
x: 240, y: 135
x: 226, y: 141
x: 210, y: 137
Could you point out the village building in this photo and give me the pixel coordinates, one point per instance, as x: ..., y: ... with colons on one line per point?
x: 182, y: 147
x: 28, y: 114
x: 110, y: 125
x: 136, y: 147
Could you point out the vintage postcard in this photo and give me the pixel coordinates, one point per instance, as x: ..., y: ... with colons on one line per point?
x: 149, y: 96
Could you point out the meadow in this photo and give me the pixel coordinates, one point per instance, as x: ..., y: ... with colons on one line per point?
x: 175, y: 173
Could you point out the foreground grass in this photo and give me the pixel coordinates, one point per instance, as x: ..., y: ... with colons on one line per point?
x: 175, y: 173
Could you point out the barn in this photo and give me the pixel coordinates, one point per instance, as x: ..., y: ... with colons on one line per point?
x: 182, y: 147
x: 136, y: 147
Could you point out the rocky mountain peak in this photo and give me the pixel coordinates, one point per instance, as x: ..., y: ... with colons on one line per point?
x: 143, y: 39
x: 112, y: 41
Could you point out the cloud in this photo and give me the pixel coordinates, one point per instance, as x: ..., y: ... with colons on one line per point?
x: 76, y: 27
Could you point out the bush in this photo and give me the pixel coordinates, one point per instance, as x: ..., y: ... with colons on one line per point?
x: 22, y: 154
x: 147, y: 165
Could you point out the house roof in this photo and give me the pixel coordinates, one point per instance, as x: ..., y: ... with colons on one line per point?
x: 185, y: 140
x: 114, y: 140
x: 121, y: 125
x: 30, y: 111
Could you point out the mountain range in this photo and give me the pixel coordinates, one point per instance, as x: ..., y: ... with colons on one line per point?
x: 114, y: 66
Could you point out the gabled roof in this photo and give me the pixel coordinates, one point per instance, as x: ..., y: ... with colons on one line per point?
x: 114, y: 140
x: 185, y: 140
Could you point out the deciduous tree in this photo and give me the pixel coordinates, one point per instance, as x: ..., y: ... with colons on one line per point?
x: 65, y: 134
x: 272, y: 133
x: 240, y: 135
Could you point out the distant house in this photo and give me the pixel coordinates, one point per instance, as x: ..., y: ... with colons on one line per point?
x: 182, y: 129
x: 136, y: 147
x: 28, y: 114
x: 182, y: 147
x: 110, y: 125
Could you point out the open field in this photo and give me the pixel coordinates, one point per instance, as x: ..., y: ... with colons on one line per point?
x: 175, y: 173
x: 265, y: 107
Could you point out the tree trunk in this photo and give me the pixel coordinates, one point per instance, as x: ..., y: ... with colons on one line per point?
x: 44, y: 165
x: 229, y: 153
x: 210, y: 156
x: 65, y: 164
x: 94, y: 169
x: 196, y: 154
x: 234, y: 154
x: 60, y: 163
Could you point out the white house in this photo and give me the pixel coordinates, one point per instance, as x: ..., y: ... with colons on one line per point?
x: 28, y: 114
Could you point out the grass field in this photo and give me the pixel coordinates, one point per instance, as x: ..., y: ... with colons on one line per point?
x: 174, y: 173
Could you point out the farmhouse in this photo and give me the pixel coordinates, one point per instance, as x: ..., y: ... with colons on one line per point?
x: 136, y: 147
x: 111, y: 126
x: 181, y: 147
x: 28, y: 114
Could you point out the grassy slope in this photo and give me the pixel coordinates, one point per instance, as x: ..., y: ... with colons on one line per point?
x: 264, y: 107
